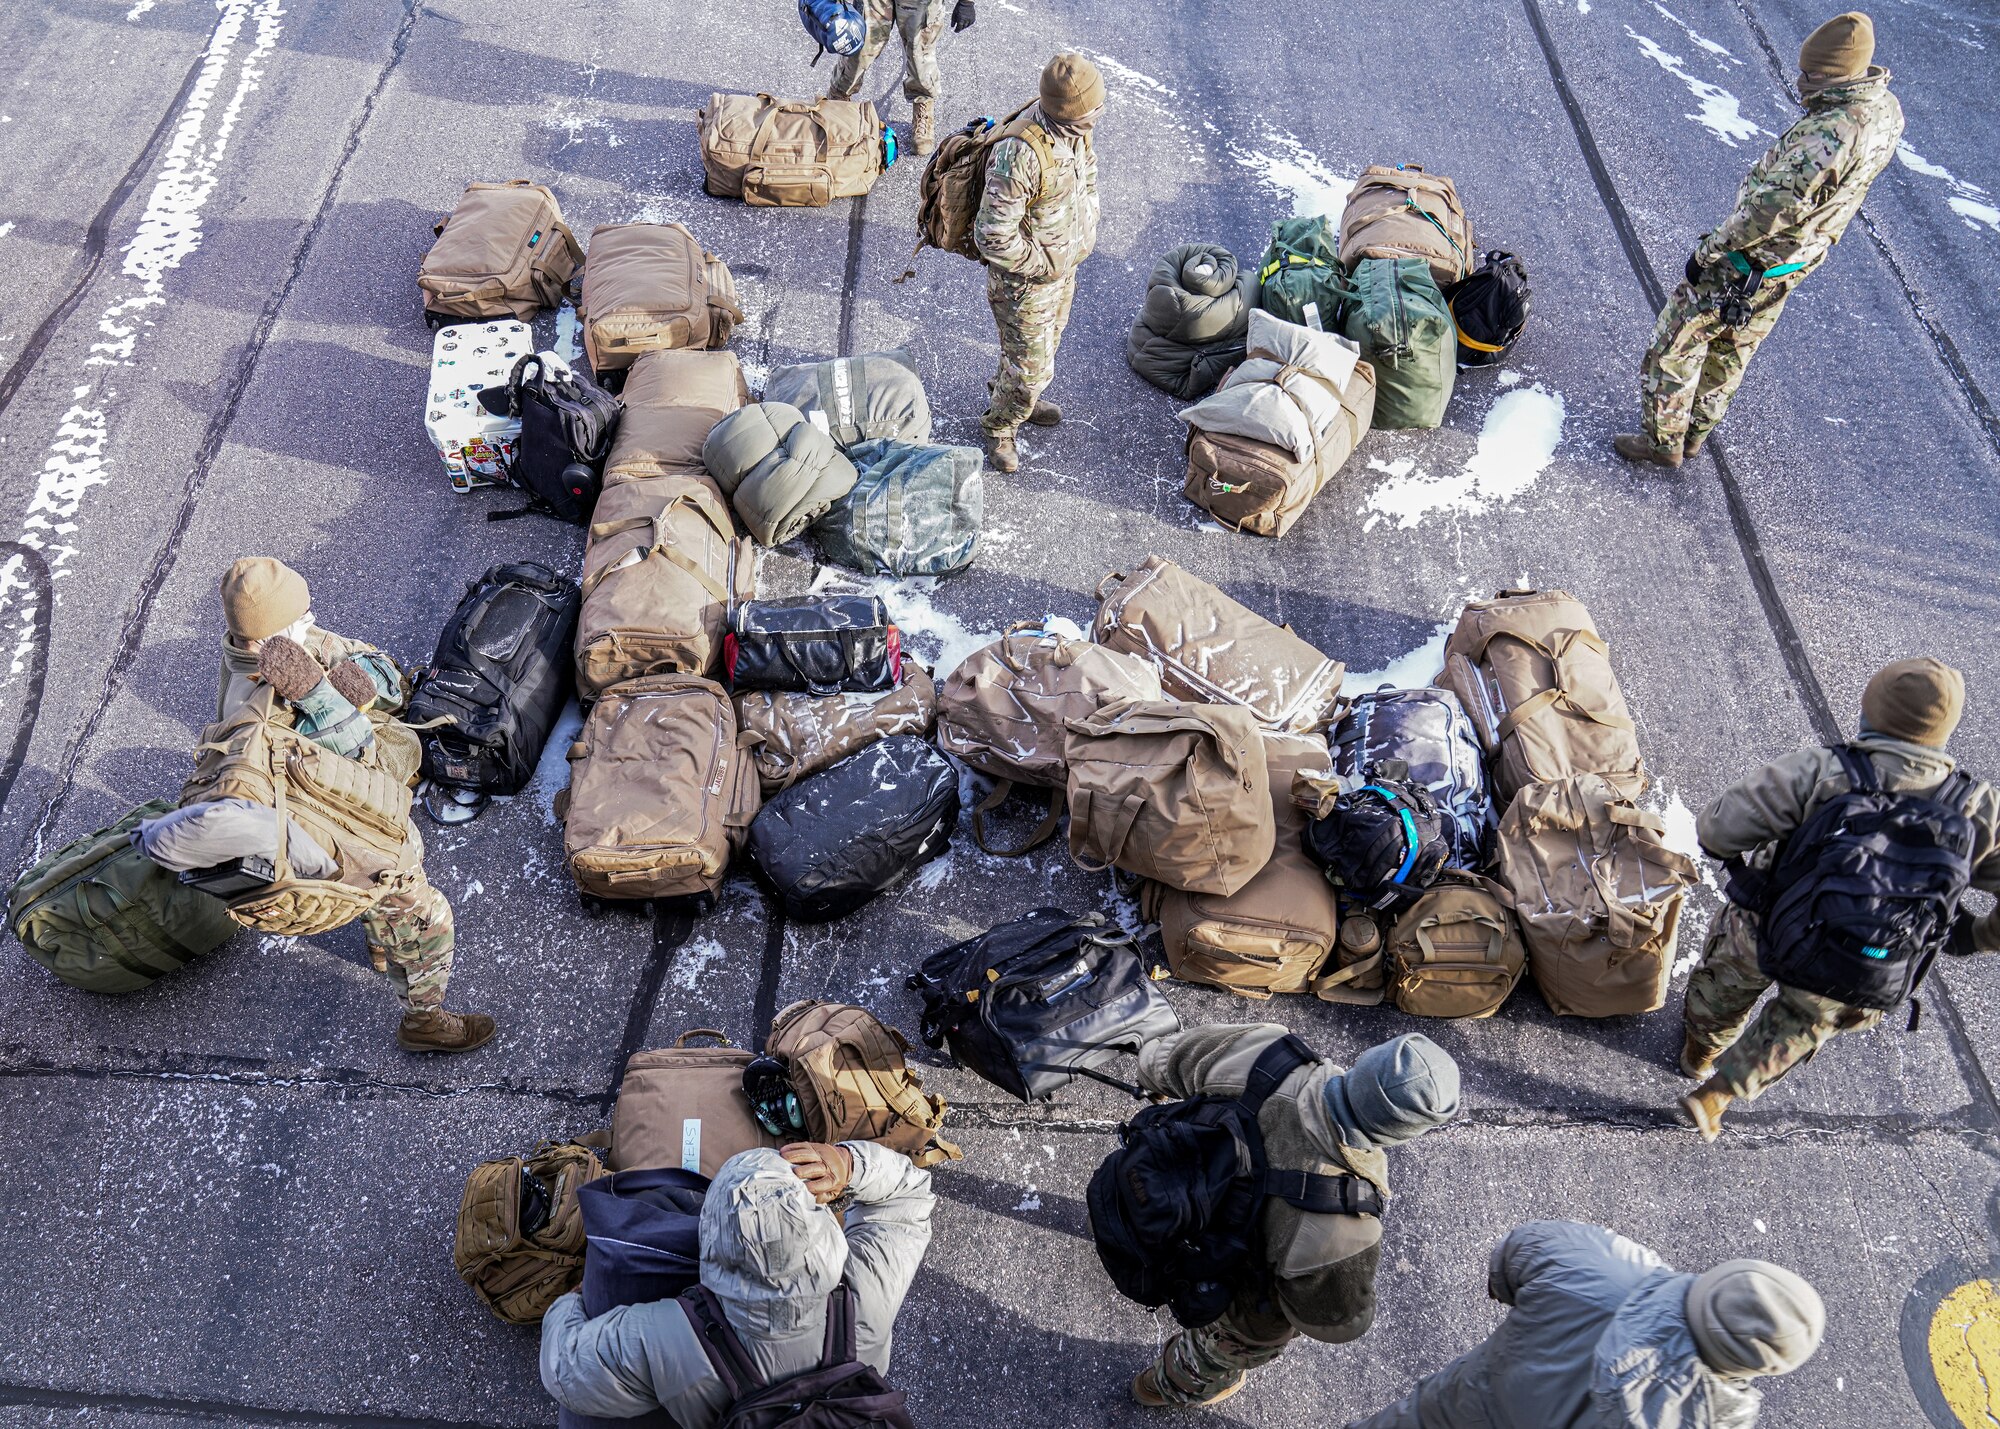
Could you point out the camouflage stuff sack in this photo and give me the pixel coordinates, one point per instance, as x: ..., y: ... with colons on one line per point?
x: 504, y: 252
x: 790, y: 734
x: 853, y: 1084
x: 520, y: 1239
x: 648, y: 287
x: 913, y: 511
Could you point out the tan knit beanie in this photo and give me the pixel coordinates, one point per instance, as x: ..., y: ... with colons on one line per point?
x: 1840, y: 49
x: 1920, y: 700
x: 261, y: 596
x: 1071, y: 87
x: 1750, y: 1317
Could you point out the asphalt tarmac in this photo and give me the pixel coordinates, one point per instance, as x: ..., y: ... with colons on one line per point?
x: 230, y: 1198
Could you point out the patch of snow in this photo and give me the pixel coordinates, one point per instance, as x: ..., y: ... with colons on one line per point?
x: 552, y: 769
x: 1152, y: 98
x: 934, y: 635
x: 695, y: 958
x: 1509, y: 377
x: 1695, y: 36
x: 1288, y: 168
x: 1583, y: 7
x: 1412, y: 671
x: 1032, y: 1201
x: 1975, y: 213
x: 1720, y: 112
x: 1968, y: 200
x: 1917, y: 163
x: 6, y: 228
x: 569, y: 333
x: 1516, y: 444
x: 132, y: 15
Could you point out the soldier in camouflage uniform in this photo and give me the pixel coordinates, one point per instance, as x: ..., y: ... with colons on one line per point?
x: 919, y: 22
x: 1790, y: 211
x: 345, y: 695
x: 1037, y: 222
x: 1908, y: 713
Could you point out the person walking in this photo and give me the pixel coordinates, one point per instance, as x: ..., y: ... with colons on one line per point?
x: 919, y: 22
x: 1791, y: 209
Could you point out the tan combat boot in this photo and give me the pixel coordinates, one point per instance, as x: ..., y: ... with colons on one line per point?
x: 1693, y: 445
x: 923, y: 125
x: 1046, y: 413
x: 443, y: 1031
x: 1696, y: 1061
x: 1146, y: 1389
x: 1635, y: 448
x: 1001, y: 453
x: 1705, y: 1105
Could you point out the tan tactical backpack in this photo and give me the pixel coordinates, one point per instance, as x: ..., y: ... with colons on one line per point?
x: 1402, y: 212
x: 685, y: 1106
x: 519, y: 1272
x: 504, y: 252
x: 1598, y: 893
x: 1455, y: 952
x: 662, y: 564
x: 1006, y: 709
x: 1209, y: 648
x: 672, y: 401
x: 648, y: 287
x: 659, y: 798
x: 1274, y: 933
x: 1536, y: 678
x: 774, y: 153
x: 357, y: 813
x: 790, y: 734
x: 852, y: 1083
x: 954, y: 180
x: 1176, y: 793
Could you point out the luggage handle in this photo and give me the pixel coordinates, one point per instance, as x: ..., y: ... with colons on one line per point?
x: 721, y: 1037
x: 1043, y: 831
x: 1128, y: 813
x: 1335, y: 986
x: 1116, y: 577
x: 767, y: 123
x: 1496, y: 941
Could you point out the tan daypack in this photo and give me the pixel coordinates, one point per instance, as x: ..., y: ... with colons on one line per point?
x: 954, y: 180
x: 519, y: 1273
x: 659, y: 798
x: 1005, y: 711
x: 685, y: 1106
x: 359, y: 814
x: 649, y: 287
x: 790, y: 734
x: 1274, y: 933
x: 788, y: 153
x: 1598, y: 894
x: 852, y: 1083
x: 1209, y: 648
x: 504, y: 252
x: 1536, y: 678
x: 1455, y: 952
x: 1173, y: 792
x: 1403, y: 212
x: 662, y: 564
x: 672, y: 401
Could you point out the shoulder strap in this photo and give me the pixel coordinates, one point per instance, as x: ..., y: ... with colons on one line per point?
x: 1957, y: 791
x: 726, y: 1355
x: 838, y: 1347
x: 1275, y: 1063
x: 1324, y: 1195
x: 1036, y: 138
x: 1860, y: 769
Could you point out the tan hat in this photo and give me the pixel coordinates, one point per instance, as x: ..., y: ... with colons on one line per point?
x: 1839, y: 49
x: 1750, y: 1317
x: 1071, y: 87
x: 261, y: 596
x: 1920, y: 700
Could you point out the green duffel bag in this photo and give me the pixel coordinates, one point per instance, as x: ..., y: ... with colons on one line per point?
x: 1394, y: 310
x: 102, y: 916
x: 915, y: 511
x: 1300, y: 279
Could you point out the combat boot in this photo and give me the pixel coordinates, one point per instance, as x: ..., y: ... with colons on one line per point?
x: 1705, y: 1105
x: 1001, y: 453
x: 923, y: 125
x: 1046, y: 413
x: 1146, y: 1389
x: 1635, y: 448
x: 1696, y: 1061
x: 442, y: 1031
x: 1693, y: 445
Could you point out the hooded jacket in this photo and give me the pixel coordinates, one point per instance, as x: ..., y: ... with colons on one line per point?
x: 771, y: 1257
x: 1597, y: 1338
x: 1751, y: 818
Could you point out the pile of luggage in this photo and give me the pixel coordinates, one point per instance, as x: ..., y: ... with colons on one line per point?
x: 1341, y: 327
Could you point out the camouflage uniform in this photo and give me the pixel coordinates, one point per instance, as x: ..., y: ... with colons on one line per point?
x: 919, y: 22
x: 1199, y: 1364
x: 409, y: 935
x: 1792, y: 207
x: 1033, y: 229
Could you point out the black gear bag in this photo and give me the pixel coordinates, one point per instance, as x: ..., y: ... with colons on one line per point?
x: 1176, y: 1210
x: 1383, y: 843
x: 1430, y: 732
x: 1489, y: 306
x: 819, y: 644
x: 841, y: 1392
x: 567, y: 423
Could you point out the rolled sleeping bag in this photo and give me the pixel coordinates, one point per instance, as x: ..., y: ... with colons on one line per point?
x: 780, y: 472
x: 1190, y: 329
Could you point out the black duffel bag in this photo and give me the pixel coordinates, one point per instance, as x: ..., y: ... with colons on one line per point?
x: 832, y: 842
x: 642, y: 1236
x: 1489, y: 306
x: 567, y: 423
x: 497, y: 682
x: 1034, y: 1003
x: 820, y: 644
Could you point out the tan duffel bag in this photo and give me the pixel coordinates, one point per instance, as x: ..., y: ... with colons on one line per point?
x: 648, y: 287
x: 685, y: 1106
x: 790, y: 734
x: 661, y: 567
x: 1400, y: 211
x: 853, y: 1084
x: 1536, y: 678
x: 1173, y: 792
x: 672, y: 401
x: 659, y: 798
x: 784, y: 153
x: 1006, y: 710
x: 1274, y: 933
x: 1208, y: 648
x: 518, y: 1273
x: 504, y: 252
x: 1598, y: 894
x: 1455, y: 952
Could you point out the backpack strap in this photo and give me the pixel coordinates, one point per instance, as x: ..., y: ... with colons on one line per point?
x: 839, y: 1347
x: 731, y: 1362
x: 1858, y: 767
x: 1274, y: 1064
x: 1307, y: 1190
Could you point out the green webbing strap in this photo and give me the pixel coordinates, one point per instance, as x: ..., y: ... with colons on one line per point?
x: 1742, y: 265
x: 1428, y: 217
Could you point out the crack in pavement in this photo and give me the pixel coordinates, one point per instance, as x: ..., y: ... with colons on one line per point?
x: 46, y: 1397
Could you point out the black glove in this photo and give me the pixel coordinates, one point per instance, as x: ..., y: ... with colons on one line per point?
x: 962, y: 16
x: 1958, y: 942
x: 1693, y: 269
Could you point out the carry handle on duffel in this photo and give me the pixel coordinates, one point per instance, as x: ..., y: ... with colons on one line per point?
x: 768, y: 121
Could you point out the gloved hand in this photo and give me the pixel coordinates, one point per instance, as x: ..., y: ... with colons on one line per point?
x: 354, y: 682
x: 1958, y: 942
x: 288, y: 668
x: 962, y: 16
x: 1693, y: 269
x: 826, y: 1169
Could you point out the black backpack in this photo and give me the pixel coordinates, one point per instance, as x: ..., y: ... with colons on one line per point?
x: 840, y: 1393
x: 1381, y: 844
x: 1490, y: 307
x: 498, y: 681
x: 1862, y: 895
x: 1176, y: 1209
x: 1032, y: 1004
x: 567, y: 423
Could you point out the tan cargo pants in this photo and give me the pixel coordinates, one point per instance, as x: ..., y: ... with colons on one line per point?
x: 919, y: 22
x: 1200, y: 1363
x: 410, y: 936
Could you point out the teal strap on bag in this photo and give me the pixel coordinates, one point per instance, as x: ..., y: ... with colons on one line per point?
x: 1742, y: 265
x: 1427, y: 216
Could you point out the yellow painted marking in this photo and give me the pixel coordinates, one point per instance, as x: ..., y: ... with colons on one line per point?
x: 1965, y: 1353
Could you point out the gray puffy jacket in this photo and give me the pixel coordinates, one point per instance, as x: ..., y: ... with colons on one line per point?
x: 1597, y: 1338
x: 771, y: 1258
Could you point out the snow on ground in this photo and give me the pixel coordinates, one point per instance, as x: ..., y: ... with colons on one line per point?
x: 1289, y: 168
x: 1968, y: 200
x: 1696, y: 37
x: 552, y: 769
x: 1406, y: 672
x: 1516, y: 445
x: 1721, y: 114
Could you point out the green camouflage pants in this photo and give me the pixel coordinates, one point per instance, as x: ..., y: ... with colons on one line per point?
x: 919, y: 22
x: 409, y: 937
x: 1695, y: 363
x: 1790, y: 1028
x: 1031, y: 318
x: 1199, y: 1364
